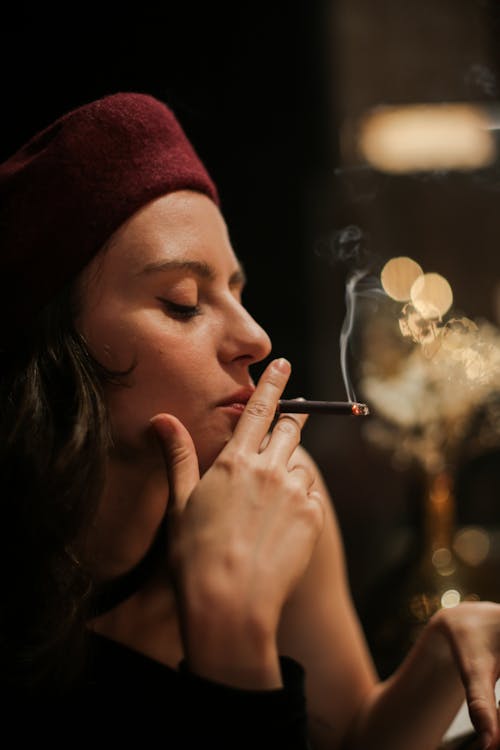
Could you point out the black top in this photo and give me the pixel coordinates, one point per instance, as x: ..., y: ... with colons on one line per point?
x: 127, y: 699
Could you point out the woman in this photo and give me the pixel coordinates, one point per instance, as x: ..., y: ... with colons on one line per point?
x: 166, y: 541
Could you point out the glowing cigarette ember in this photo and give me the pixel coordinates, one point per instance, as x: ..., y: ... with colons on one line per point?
x: 303, y: 406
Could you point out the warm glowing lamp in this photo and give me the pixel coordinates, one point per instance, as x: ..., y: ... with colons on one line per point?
x: 427, y: 137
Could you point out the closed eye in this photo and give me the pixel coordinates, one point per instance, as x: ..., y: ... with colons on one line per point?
x: 182, y: 312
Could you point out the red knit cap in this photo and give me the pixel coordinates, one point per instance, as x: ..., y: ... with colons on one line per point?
x: 71, y: 186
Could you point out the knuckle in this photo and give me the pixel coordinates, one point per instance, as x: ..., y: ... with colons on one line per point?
x: 259, y: 409
x: 302, y: 475
x: 271, y: 474
x: 318, y: 509
x: 443, y: 622
x: 288, y: 426
x: 232, y: 461
x: 312, y: 515
x: 457, y: 622
x: 296, y: 491
x: 478, y: 704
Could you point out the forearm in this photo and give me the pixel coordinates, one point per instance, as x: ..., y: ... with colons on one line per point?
x: 414, y: 708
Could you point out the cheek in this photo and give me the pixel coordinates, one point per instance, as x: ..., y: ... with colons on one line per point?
x: 171, y: 378
x: 110, y: 339
x: 178, y: 386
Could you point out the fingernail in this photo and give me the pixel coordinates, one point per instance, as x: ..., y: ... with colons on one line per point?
x: 282, y: 364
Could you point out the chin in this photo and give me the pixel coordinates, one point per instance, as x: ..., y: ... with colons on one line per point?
x: 208, y: 454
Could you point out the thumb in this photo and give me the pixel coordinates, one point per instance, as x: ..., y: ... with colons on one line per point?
x: 180, y: 458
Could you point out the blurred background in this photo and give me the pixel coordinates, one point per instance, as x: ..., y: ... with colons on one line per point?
x: 278, y: 97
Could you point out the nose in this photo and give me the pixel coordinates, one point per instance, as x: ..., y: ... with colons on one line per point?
x: 244, y: 340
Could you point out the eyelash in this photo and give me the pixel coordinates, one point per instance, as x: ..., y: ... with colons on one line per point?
x: 183, y: 312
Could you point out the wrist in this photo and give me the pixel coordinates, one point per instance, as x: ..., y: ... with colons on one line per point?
x: 434, y: 657
x: 227, y: 646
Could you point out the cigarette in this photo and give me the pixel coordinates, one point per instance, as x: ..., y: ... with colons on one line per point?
x: 303, y: 406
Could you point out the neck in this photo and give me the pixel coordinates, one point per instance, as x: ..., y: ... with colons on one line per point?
x: 131, y: 509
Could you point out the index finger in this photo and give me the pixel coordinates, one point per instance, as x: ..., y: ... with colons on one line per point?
x: 481, y: 701
x: 260, y: 410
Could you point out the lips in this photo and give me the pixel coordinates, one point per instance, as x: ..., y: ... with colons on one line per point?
x: 237, y: 399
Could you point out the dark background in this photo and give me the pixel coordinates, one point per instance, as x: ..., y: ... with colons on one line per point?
x: 247, y: 84
x: 262, y: 90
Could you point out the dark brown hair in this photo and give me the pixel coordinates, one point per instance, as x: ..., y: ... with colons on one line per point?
x: 54, y: 438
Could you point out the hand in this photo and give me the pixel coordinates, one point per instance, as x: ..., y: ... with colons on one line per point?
x: 241, y: 537
x: 472, y: 630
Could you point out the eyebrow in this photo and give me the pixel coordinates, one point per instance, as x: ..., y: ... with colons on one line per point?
x: 198, y: 268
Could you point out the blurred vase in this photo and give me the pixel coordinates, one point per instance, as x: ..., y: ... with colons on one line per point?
x: 441, y: 578
x: 452, y: 565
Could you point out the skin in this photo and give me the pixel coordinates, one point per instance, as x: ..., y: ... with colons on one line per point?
x: 254, y: 565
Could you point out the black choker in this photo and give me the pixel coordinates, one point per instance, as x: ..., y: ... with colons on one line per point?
x: 108, y: 595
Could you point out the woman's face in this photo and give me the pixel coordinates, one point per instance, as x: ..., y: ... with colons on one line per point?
x: 165, y: 296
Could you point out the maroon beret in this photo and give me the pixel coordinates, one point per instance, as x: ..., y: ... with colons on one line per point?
x: 70, y: 187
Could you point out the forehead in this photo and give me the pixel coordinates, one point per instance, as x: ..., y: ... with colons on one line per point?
x: 181, y: 226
